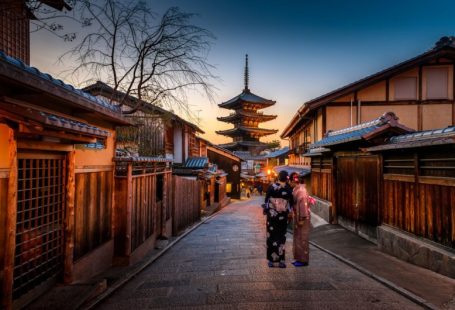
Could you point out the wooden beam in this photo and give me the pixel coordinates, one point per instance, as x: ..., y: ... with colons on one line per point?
x: 129, y: 206
x: 11, y: 218
x: 47, y: 146
x: 419, y: 107
x: 69, y: 222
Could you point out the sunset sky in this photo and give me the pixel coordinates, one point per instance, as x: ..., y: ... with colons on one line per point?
x: 297, y: 49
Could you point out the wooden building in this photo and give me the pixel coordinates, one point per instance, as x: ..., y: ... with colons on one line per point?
x: 391, y: 185
x: 157, y: 132
x: 417, y: 214
x: 230, y: 164
x: 345, y: 180
x: 246, y: 133
x: 57, y: 146
x: 420, y: 90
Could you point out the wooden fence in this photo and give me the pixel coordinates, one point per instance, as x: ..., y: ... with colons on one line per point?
x: 187, y: 202
x: 419, y: 195
x: 93, y: 211
x: 322, y: 184
x: 141, y: 202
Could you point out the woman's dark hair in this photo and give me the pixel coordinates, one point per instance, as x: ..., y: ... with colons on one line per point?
x: 301, y: 179
x: 283, y: 176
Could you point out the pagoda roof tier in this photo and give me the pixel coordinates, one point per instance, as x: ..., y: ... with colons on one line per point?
x: 234, y: 145
x: 246, y: 115
x: 242, y: 130
x: 247, y: 98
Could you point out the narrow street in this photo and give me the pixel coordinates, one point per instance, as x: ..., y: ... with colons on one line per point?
x: 222, y: 265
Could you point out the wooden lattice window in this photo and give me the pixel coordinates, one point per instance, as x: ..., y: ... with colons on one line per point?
x: 40, y: 220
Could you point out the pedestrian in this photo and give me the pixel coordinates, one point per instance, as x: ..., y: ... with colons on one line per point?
x: 278, y: 205
x: 260, y: 189
x: 302, y: 224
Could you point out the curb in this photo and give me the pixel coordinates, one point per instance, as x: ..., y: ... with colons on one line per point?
x: 402, y: 291
x: 118, y: 284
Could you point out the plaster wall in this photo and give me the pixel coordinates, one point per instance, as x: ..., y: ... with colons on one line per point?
x: 407, y: 114
x: 436, y: 116
x: 411, y: 73
x: 375, y: 92
x: 449, y: 80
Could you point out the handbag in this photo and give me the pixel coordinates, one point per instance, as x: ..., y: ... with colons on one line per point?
x: 279, y: 204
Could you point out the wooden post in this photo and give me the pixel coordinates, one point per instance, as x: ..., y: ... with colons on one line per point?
x: 69, y: 221
x: 129, y: 205
x: 11, y: 218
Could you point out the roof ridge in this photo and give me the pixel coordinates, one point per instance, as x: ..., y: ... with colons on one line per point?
x: 383, y: 119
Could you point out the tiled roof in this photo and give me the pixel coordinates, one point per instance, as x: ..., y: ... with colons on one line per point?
x: 279, y: 152
x: 56, y: 82
x: 418, y: 139
x: 246, y: 96
x: 141, y: 159
x: 71, y: 124
x: 242, y: 129
x: 240, y: 114
x: 358, y: 132
x: 196, y: 162
x: 245, y: 155
x: 53, y: 120
x: 292, y: 169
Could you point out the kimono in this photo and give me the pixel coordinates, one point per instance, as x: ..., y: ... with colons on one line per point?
x: 277, y: 221
x: 302, y: 224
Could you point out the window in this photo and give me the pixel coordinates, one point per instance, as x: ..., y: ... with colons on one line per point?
x: 405, y: 88
x: 437, y: 83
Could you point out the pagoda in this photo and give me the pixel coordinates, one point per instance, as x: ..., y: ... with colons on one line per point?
x: 246, y: 119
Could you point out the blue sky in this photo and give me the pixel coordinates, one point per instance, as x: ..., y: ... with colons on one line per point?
x: 298, y: 50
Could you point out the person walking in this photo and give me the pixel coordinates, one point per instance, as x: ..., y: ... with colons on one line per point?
x: 278, y: 204
x: 302, y: 224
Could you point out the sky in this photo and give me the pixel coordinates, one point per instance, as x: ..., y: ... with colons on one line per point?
x: 297, y: 50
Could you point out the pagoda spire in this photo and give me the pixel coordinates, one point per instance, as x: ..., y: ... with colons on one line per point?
x: 247, y: 75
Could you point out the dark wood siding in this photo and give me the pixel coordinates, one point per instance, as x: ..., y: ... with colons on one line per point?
x: 187, y: 204
x: 358, y: 188
x: 93, y: 211
x: 322, y: 185
x: 419, y: 193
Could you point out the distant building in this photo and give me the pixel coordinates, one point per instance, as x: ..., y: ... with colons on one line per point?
x: 246, y: 119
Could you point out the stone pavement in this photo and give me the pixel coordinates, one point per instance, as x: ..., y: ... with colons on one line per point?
x: 436, y: 289
x: 222, y: 265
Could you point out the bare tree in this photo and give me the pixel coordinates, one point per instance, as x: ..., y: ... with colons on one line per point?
x: 130, y: 48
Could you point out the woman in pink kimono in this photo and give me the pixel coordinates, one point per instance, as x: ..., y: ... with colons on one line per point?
x: 302, y: 224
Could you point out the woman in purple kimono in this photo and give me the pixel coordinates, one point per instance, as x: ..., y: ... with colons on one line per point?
x: 302, y: 224
x: 278, y: 204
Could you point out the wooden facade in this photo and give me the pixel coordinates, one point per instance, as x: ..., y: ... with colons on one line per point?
x: 157, y: 132
x: 405, y: 181
x: 419, y: 90
x: 56, y: 171
x: 419, y: 192
x: 143, y: 206
x: 350, y: 179
x: 230, y: 164
x: 187, y: 201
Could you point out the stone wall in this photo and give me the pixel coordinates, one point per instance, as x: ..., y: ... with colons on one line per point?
x: 416, y: 250
x: 323, y: 209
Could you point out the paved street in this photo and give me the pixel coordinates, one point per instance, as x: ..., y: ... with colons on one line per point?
x: 222, y: 265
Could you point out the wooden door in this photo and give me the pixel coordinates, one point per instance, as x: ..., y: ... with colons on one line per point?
x: 40, y: 223
x: 346, y: 192
x: 357, y: 189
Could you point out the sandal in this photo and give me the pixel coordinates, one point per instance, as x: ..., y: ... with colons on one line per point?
x: 270, y: 264
x: 282, y: 265
x: 299, y: 264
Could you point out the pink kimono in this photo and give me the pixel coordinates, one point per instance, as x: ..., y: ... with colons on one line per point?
x: 302, y: 224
